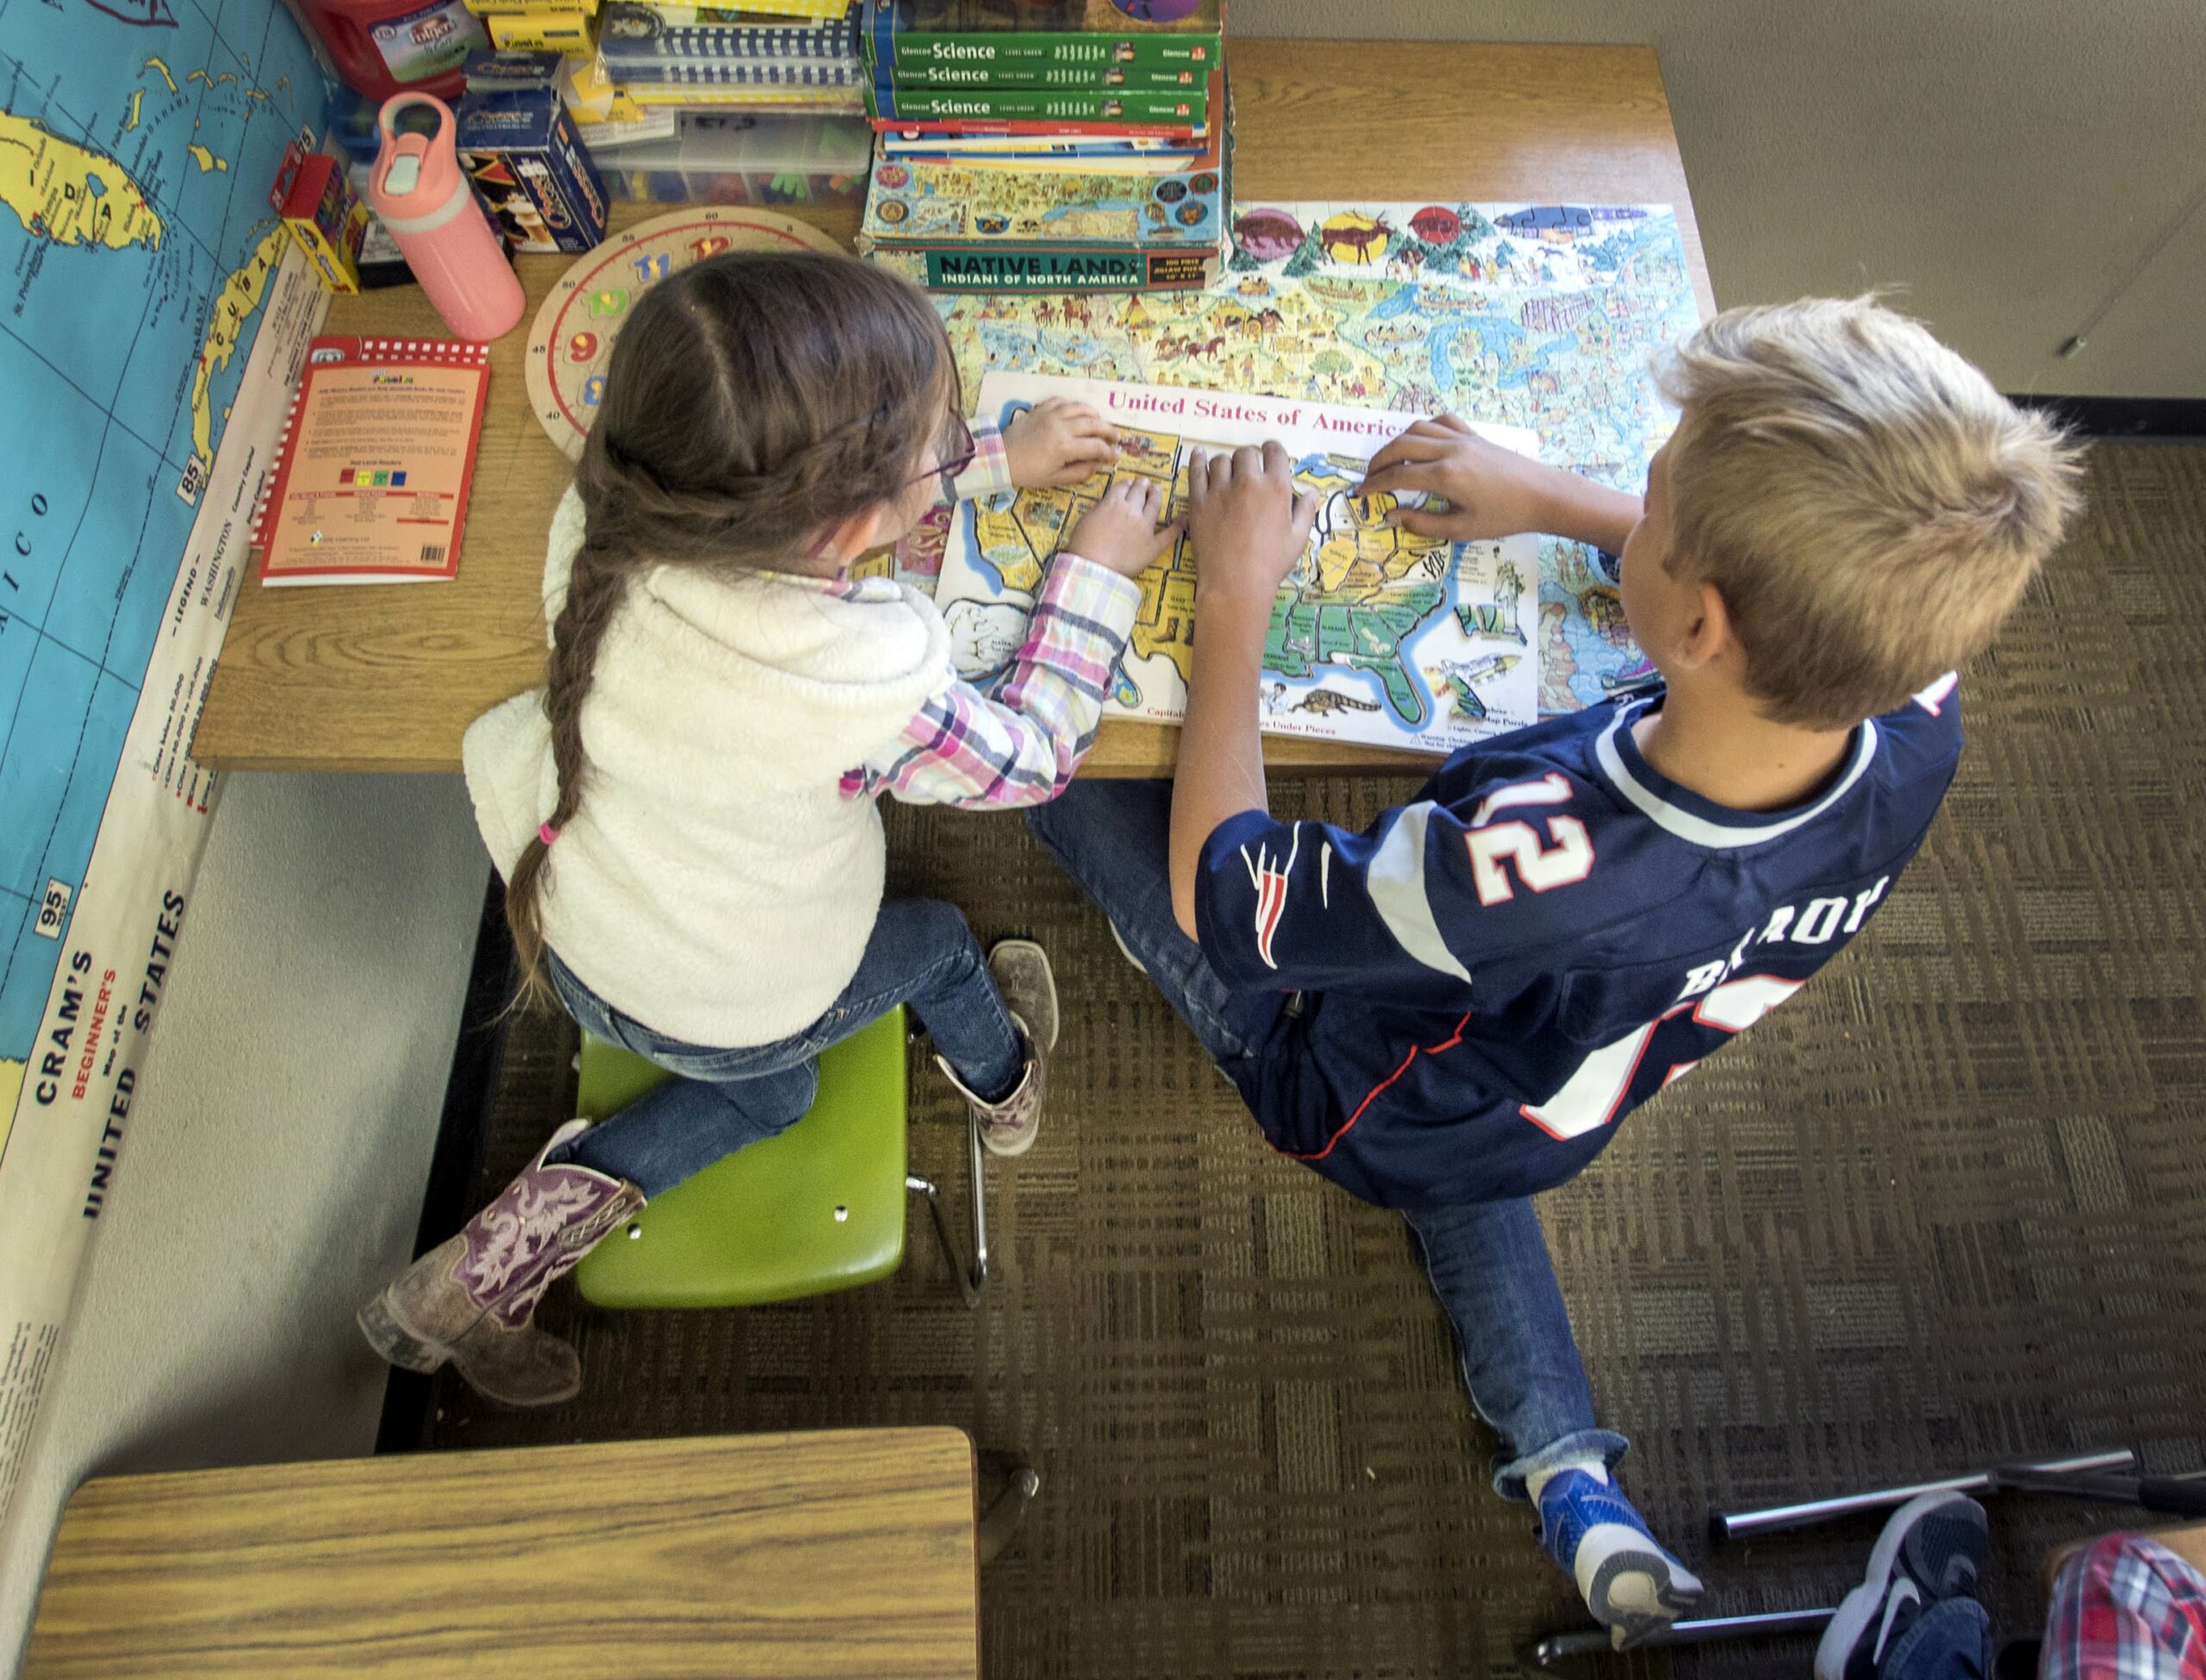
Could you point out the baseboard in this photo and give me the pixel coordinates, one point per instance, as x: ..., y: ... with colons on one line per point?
x: 408, y: 1398
x: 2170, y: 417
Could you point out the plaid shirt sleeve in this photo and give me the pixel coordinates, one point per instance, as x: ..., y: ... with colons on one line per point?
x: 2126, y: 1608
x: 1022, y: 746
x: 990, y: 472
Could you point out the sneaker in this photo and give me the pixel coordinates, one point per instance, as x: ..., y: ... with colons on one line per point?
x: 1629, y: 1581
x: 1932, y: 1549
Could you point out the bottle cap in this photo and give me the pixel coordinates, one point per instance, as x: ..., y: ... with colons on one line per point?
x: 416, y: 183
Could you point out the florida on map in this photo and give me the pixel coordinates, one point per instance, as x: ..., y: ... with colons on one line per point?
x: 1377, y: 636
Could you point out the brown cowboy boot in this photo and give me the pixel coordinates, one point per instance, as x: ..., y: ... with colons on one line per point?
x: 469, y: 1299
x: 1022, y: 976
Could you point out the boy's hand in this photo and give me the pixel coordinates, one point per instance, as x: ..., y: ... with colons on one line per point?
x: 1491, y: 491
x: 1248, y: 522
x: 1058, y: 442
x: 1120, y: 531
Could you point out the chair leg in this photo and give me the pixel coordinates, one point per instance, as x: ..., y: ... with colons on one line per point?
x: 1000, y: 1520
x: 971, y: 1277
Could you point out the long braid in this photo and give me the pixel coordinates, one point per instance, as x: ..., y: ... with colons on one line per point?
x: 595, y: 589
x: 753, y: 400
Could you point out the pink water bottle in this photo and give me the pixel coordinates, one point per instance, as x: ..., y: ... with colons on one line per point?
x: 418, y: 188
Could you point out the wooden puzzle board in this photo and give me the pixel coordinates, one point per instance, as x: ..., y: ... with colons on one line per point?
x: 571, y: 344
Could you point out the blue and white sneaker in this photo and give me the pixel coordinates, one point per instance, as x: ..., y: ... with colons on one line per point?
x: 1629, y: 1581
x: 1934, y: 1548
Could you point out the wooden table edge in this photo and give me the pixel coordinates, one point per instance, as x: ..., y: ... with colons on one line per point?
x: 100, y: 1501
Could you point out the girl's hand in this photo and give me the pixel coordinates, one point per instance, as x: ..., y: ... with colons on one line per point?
x: 1248, y: 523
x: 1491, y: 491
x: 1058, y: 442
x: 1120, y: 531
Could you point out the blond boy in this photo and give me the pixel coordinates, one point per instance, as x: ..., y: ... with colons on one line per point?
x: 1451, y: 1010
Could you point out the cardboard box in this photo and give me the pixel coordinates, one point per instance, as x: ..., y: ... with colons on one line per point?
x: 486, y: 9
x: 519, y: 149
x: 326, y: 218
x: 572, y: 33
x: 594, y: 97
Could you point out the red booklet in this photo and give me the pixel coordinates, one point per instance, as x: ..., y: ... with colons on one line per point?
x: 372, y: 476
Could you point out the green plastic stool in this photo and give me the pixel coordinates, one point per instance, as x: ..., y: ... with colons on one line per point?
x: 817, y: 1208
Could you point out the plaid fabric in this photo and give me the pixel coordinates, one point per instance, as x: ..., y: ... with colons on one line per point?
x: 1022, y: 746
x: 990, y: 473
x: 2126, y: 1608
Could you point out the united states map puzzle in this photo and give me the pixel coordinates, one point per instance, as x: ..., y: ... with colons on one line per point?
x: 1539, y: 315
x: 1377, y: 636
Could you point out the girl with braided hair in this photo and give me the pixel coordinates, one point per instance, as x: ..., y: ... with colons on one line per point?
x: 684, y: 813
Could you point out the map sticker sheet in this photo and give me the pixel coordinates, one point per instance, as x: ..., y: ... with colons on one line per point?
x: 1377, y: 636
x: 1543, y: 316
x: 158, y: 313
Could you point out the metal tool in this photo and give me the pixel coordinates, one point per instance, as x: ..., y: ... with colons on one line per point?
x: 2167, y: 1496
x: 1594, y: 1641
x: 1740, y: 1524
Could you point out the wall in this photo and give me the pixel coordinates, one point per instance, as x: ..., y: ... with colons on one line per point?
x: 278, y: 1148
x: 2013, y: 164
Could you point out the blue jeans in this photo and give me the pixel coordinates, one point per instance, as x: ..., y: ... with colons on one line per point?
x: 1487, y: 1261
x: 921, y: 954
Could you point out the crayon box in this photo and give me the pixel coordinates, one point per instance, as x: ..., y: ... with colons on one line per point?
x: 317, y: 203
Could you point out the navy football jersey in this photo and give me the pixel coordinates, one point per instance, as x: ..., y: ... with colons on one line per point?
x: 1492, y: 976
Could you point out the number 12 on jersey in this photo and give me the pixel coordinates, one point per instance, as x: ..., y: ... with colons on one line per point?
x: 1567, y: 859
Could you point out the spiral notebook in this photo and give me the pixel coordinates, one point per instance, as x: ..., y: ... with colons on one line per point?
x: 377, y: 458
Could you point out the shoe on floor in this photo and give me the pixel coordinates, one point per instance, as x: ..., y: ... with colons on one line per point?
x: 1934, y: 1548
x: 1009, y: 1126
x: 1022, y: 974
x: 1629, y: 1579
x: 472, y: 1299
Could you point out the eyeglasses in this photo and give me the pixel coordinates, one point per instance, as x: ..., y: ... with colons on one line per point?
x: 957, y: 451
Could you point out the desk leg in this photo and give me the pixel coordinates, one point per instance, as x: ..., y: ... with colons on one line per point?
x: 1008, y: 1508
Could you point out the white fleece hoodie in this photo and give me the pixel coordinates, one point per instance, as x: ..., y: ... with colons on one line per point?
x: 721, y: 718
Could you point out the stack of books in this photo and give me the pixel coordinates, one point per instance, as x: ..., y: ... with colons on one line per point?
x: 1047, y: 145
x: 787, y: 55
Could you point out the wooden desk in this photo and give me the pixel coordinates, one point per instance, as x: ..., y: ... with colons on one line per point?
x: 388, y: 679
x: 847, y: 1553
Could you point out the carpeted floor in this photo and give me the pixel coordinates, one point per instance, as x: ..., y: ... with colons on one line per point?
x: 1947, y: 1207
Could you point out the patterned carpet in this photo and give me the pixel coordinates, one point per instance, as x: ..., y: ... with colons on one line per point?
x: 1947, y: 1207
